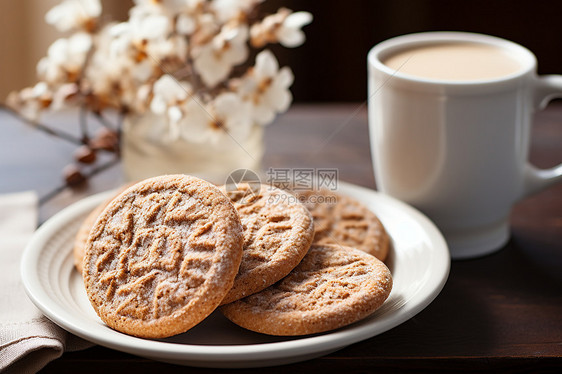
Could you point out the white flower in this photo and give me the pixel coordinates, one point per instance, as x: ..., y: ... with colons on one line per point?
x: 195, y: 124
x: 226, y: 115
x: 171, y: 6
x: 145, y: 23
x: 142, y: 71
x: 282, y: 27
x: 145, y: 26
x: 207, y: 28
x: 232, y: 115
x: 74, y: 14
x: 185, y: 24
x: 191, y: 17
x: 290, y: 33
x: 106, y: 71
x: 64, y: 96
x: 214, y: 61
x: 266, y: 87
x: 227, y: 10
x: 173, y: 48
x: 168, y: 92
x: 169, y: 100
x: 65, y: 59
x: 31, y: 100
x: 139, y: 44
x: 124, y: 65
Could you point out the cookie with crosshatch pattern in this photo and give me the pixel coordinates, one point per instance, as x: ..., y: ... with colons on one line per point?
x: 278, y: 231
x: 341, y: 219
x: 332, y: 287
x: 81, y: 237
x: 162, y: 256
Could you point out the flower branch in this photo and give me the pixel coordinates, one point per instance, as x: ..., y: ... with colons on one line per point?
x: 42, y: 127
x: 185, y: 61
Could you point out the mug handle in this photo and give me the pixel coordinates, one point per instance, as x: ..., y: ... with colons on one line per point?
x: 548, y: 87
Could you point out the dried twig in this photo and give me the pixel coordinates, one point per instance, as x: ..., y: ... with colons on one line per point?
x: 51, y: 194
x: 42, y: 127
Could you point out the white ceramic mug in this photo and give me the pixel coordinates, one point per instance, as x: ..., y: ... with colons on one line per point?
x: 458, y: 150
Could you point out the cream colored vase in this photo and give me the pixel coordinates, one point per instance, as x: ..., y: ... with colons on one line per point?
x: 146, y: 151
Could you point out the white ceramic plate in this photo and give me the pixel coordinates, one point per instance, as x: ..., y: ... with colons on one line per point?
x: 419, y: 261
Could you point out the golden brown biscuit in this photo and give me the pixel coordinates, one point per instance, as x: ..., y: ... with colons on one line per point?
x: 81, y: 238
x: 278, y: 231
x: 162, y: 256
x: 332, y: 287
x: 340, y: 219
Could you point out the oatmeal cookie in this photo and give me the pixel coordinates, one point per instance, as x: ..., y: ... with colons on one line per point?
x: 162, y: 256
x: 81, y: 238
x: 332, y: 287
x: 278, y: 231
x: 340, y: 219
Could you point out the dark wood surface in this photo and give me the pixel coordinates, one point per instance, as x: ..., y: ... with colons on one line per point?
x: 502, y: 312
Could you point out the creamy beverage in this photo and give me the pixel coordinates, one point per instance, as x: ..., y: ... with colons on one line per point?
x: 454, y: 61
x: 450, y: 131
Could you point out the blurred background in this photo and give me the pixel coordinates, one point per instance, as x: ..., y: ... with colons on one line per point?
x: 331, y: 65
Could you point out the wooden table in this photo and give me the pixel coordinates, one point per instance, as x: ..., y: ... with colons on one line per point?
x: 502, y: 312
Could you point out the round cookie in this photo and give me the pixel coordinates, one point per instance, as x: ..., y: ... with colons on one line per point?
x: 79, y: 249
x: 340, y: 219
x: 278, y: 231
x: 162, y: 255
x: 332, y: 287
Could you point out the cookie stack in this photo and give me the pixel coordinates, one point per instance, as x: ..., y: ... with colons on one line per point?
x: 163, y: 254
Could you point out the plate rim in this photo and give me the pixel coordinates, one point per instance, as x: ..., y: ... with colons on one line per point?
x: 329, y: 341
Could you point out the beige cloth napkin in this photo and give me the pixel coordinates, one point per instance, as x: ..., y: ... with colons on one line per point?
x: 28, y: 340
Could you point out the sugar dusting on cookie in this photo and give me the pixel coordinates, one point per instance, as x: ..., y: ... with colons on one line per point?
x: 332, y: 287
x: 278, y: 231
x: 162, y: 255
